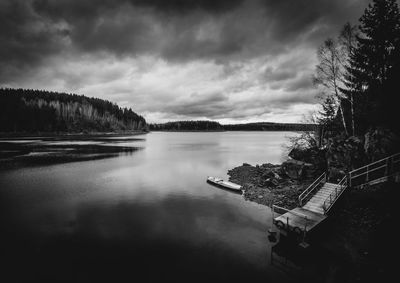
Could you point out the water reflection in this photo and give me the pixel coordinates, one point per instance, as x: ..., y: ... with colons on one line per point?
x: 150, y: 214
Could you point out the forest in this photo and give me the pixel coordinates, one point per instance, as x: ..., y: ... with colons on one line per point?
x: 269, y: 126
x: 187, y: 126
x: 33, y: 111
x: 215, y: 126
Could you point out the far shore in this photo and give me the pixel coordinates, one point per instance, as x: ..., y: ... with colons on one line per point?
x: 206, y: 131
x: 69, y: 134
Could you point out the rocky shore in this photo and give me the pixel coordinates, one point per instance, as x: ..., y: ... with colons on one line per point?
x: 269, y: 184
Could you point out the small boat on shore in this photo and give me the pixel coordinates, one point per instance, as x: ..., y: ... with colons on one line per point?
x: 225, y: 184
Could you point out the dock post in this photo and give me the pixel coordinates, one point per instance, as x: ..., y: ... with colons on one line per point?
x: 303, y: 243
x: 273, y: 212
x: 349, y: 177
x: 305, y: 230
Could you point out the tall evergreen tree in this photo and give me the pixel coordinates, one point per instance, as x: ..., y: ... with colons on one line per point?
x: 373, y: 61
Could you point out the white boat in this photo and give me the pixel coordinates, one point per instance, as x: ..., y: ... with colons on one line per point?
x: 224, y: 184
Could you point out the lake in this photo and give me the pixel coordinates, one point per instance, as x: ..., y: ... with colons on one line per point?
x: 146, y: 215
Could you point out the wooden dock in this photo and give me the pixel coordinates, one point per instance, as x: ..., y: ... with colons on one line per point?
x: 299, y: 218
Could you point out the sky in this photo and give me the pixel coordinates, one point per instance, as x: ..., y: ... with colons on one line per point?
x: 231, y: 61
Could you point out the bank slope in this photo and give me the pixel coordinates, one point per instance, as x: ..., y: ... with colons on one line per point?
x: 26, y: 110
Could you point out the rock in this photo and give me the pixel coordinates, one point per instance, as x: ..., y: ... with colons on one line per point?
x: 313, y: 155
x: 345, y: 153
x: 335, y: 174
x: 276, y: 176
x: 268, y: 174
x: 246, y: 164
x: 296, y: 169
x: 272, y: 182
x: 380, y: 143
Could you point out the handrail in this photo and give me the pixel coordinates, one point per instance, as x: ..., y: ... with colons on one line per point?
x: 311, y: 187
x: 346, y: 182
x: 336, y: 194
x: 390, y: 160
x: 372, y: 163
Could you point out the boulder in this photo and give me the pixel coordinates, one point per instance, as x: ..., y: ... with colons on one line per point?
x: 272, y: 182
x: 380, y: 143
x: 296, y: 169
x: 345, y: 153
x: 313, y: 155
x: 335, y: 174
x: 268, y: 174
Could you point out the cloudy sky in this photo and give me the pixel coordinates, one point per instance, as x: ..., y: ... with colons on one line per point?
x: 226, y: 60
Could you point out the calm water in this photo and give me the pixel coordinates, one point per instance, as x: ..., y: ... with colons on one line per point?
x: 145, y: 216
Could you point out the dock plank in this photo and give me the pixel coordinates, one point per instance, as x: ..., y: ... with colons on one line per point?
x: 301, y: 218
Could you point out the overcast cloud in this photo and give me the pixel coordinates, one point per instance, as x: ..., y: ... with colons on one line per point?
x: 226, y: 60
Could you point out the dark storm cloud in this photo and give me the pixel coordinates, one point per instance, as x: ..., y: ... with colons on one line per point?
x: 217, y: 105
x: 34, y: 29
x: 201, y: 105
x: 65, y: 42
x: 25, y: 38
x: 179, y: 6
x: 304, y: 82
x: 272, y: 74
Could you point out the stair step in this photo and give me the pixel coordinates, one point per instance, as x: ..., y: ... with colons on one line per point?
x: 324, y: 195
x: 321, y: 198
x: 320, y: 211
x: 314, y: 204
x: 314, y: 208
x: 317, y: 200
x: 330, y: 188
x: 331, y: 184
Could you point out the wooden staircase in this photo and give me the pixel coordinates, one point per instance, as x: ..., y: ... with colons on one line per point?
x: 316, y: 203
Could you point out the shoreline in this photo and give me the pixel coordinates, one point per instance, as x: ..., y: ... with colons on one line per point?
x: 69, y: 134
x: 269, y: 184
x: 30, y: 151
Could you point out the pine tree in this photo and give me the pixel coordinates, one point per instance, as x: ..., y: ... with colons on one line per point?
x: 327, y: 116
x: 371, y: 63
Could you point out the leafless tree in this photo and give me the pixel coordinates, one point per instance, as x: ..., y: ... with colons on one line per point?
x: 348, y: 43
x: 330, y: 73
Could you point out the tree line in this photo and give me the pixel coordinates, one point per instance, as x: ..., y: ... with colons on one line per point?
x: 27, y: 110
x: 215, y: 126
x: 187, y: 126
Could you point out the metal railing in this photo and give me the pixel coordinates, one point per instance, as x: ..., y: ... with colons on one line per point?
x: 312, y: 187
x: 376, y: 170
x: 333, y: 197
